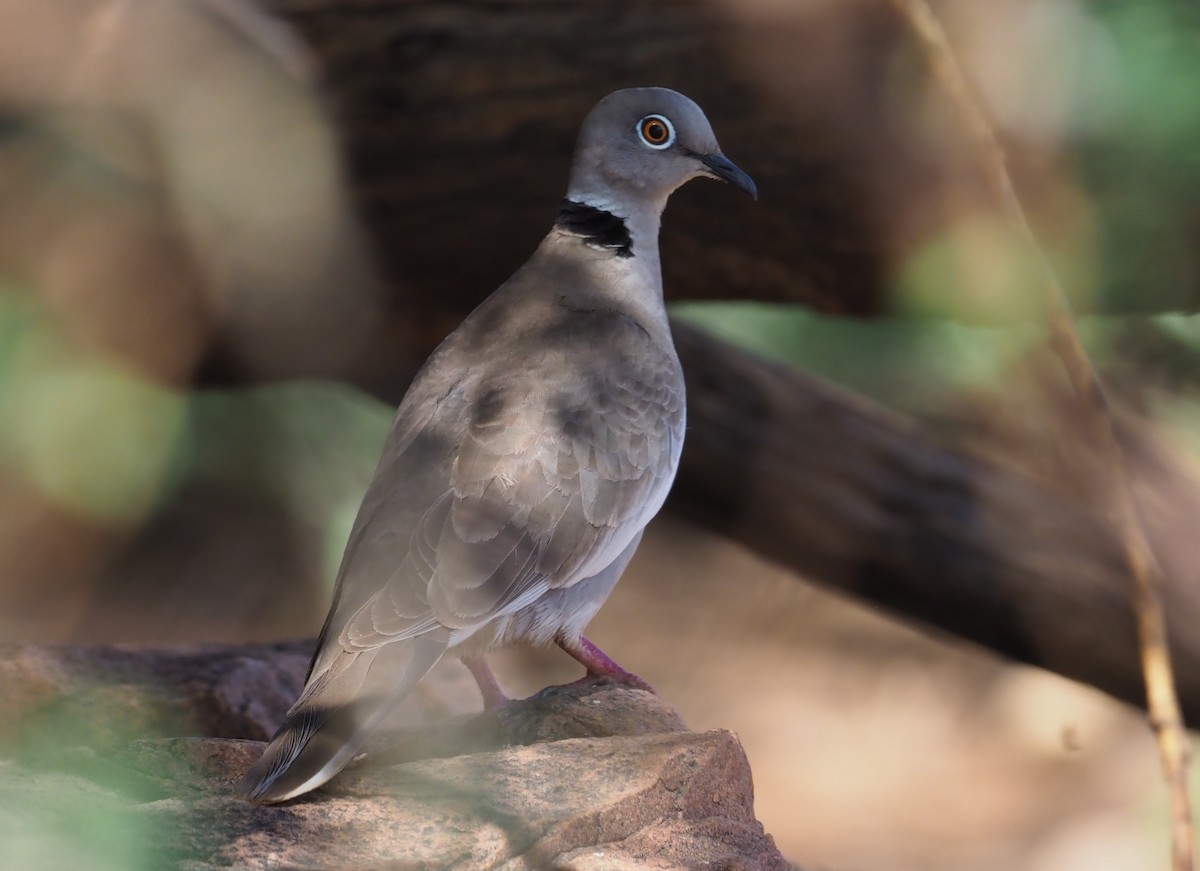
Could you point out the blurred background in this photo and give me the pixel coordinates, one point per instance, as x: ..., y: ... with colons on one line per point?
x: 230, y: 232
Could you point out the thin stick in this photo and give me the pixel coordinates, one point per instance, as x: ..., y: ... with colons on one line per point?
x: 1162, y: 702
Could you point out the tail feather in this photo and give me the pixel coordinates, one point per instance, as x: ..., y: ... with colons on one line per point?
x: 335, y: 715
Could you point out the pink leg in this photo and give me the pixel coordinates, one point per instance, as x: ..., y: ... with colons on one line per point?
x: 598, y: 663
x: 493, y: 694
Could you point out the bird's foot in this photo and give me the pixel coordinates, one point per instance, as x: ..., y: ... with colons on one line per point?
x: 600, y: 667
x: 494, y: 697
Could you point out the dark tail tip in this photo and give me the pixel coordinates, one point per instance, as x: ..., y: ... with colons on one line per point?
x: 292, y: 762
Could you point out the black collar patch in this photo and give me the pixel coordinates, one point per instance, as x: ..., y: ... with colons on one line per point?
x: 599, y: 229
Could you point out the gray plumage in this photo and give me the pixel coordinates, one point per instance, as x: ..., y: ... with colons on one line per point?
x: 528, y: 455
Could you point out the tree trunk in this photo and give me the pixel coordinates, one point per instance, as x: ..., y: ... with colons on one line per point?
x: 460, y: 117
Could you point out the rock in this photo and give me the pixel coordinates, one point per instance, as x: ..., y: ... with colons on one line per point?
x: 98, y: 695
x: 584, y: 777
x: 577, y: 711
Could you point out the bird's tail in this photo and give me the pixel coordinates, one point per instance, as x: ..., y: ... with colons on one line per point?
x: 339, y: 708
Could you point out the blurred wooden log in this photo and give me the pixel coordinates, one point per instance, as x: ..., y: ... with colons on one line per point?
x: 865, y: 502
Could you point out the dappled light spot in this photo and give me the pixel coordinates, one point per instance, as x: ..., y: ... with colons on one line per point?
x: 95, y: 437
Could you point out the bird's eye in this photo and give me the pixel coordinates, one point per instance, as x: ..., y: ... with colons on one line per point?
x: 656, y: 131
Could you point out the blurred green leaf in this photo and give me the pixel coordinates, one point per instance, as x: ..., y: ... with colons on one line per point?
x: 906, y: 363
x: 978, y: 271
x: 1143, y: 169
x: 94, y: 436
x: 57, y: 821
x: 915, y: 364
x: 309, y: 446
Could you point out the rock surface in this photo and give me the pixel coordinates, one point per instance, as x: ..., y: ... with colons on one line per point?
x: 102, y: 694
x: 590, y: 776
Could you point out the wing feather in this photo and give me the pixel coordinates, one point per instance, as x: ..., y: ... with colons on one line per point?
x: 541, y: 486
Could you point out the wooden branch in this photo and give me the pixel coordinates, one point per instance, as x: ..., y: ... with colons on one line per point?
x: 864, y: 502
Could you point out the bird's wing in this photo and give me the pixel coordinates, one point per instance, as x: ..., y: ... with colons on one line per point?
x: 548, y: 483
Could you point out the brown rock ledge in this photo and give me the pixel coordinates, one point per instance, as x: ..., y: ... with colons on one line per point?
x: 95, y: 773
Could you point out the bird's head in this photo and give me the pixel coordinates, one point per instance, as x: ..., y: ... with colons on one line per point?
x: 640, y: 144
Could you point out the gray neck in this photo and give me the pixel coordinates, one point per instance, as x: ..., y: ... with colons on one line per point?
x: 618, y: 250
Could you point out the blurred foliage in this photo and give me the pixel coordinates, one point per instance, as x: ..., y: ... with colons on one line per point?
x: 976, y: 271
x: 1100, y: 121
x: 1143, y: 168
x: 909, y: 364
x: 93, y: 435
x: 918, y: 365
x: 310, y: 447
x: 306, y: 449
x: 1101, y: 117
x: 105, y: 443
x: 76, y: 825
x: 64, y: 807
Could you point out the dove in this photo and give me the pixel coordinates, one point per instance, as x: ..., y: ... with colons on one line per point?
x: 526, y: 458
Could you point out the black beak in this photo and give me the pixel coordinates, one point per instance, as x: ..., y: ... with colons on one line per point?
x: 720, y: 166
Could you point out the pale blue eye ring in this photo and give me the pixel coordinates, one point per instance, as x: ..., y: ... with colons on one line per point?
x: 656, y: 131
